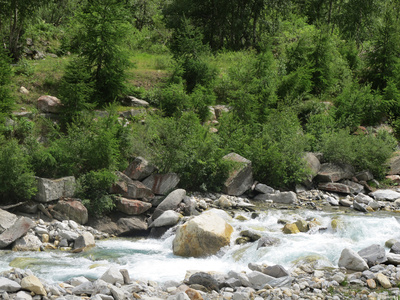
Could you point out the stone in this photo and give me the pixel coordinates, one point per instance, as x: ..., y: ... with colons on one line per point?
x: 193, y: 294
x: 335, y: 187
x: 131, y: 225
x: 276, y: 271
x: 364, y: 176
x: 54, y: 189
x: 266, y: 241
x: 313, y: 164
x: 139, y: 169
x: 171, y: 202
x: 330, y: 172
x: 362, y: 198
x: 354, y: 186
x: 132, y: 189
x: 383, y: 281
x: 72, y: 209
x: 29, y: 242
x: 374, y: 255
x: 345, y: 202
x: 78, y: 280
x: 9, y: 285
x: 240, y: 178
x: 395, y: 248
x: 23, y: 90
x: 84, y: 288
x: 290, y: 229
x: 371, y: 283
x: 84, y: 242
x: 135, y: 102
x: 394, y: 164
x: 179, y: 296
x: 252, y: 235
x: 6, y: 220
x: 393, y: 259
x: 132, y: 207
x: 263, y: 188
x: 351, y: 260
x: 302, y: 225
x: 49, y: 104
x: 205, y: 280
x: 360, y: 206
x: 385, y: 194
x: 223, y: 202
x: 202, y: 236
x: 22, y: 295
x: 33, y: 284
x: 117, y: 293
x: 18, y: 229
x: 125, y: 275
x: 389, y: 243
x: 68, y: 235
x: 168, y: 218
x: 283, y: 197
x: 113, y: 276
x: 260, y: 280
x: 161, y: 184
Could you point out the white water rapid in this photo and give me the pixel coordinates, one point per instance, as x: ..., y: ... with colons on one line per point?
x: 153, y: 259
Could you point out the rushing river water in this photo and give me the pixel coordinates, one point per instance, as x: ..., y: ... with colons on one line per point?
x: 153, y: 259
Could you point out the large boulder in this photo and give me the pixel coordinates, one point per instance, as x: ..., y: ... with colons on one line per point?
x: 161, y: 184
x: 171, y: 202
x: 49, y: 104
x: 202, y: 236
x: 335, y: 187
x: 388, y: 195
x: 84, y: 242
x: 6, y: 220
x: 330, y: 172
x: 283, y: 197
x: 113, y: 276
x: 139, y: 169
x: 8, y: 285
x: 131, y: 225
x: 373, y: 255
x: 240, y: 178
x: 394, y: 165
x: 132, y: 207
x: 132, y: 189
x: 168, y: 218
x: 313, y: 164
x: 33, y: 284
x: 53, y: 189
x: 72, y: 209
x: 351, y: 260
x: 18, y: 229
x: 29, y: 242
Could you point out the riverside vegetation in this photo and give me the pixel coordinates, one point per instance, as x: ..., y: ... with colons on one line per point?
x: 290, y: 76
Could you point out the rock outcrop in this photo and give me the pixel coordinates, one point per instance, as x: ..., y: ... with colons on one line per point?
x: 54, y: 189
x: 241, y: 176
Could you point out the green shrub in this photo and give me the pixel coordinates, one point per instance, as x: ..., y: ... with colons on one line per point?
x: 93, y: 188
x: 17, y: 180
x: 6, y: 100
x: 184, y: 146
x: 173, y: 99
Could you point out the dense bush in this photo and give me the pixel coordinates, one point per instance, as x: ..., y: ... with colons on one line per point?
x: 6, y: 100
x: 17, y: 180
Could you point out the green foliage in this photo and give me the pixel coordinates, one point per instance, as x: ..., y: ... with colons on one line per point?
x: 6, y: 100
x: 76, y: 89
x: 364, y: 152
x: 184, y: 146
x: 359, y: 105
x: 102, y: 29
x: 17, y: 180
x: 93, y: 188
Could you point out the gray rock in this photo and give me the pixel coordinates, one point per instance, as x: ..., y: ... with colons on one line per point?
x: 135, y: 102
x: 130, y: 225
x: 8, y: 285
x: 362, y: 198
x: 388, y: 195
x: 240, y: 276
x: 29, y: 242
x: 364, y: 176
x: 360, y: 206
x: 78, y: 280
x: 69, y: 235
x: 72, y: 209
x: 171, y: 202
x: 167, y: 218
x: 18, y: 229
x: 263, y: 188
x: 179, y: 296
x: 314, y: 165
x: 335, y: 187
x: 117, y: 293
x: 394, y: 165
x: 345, y: 202
x: 48, y: 104
x: 161, y: 184
x: 351, y: 260
x: 132, y: 207
x: 395, y: 248
x: 84, y: 242
x: 139, y: 169
x: 332, y: 172
x: 84, y: 288
x: 240, y: 178
x: 266, y: 241
x: 53, y: 189
x: 113, y: 276
x: 22, y: 295
x: 259, y: 280
x: 393, y: 259
x: 354, y: 187
x: 283, y: 197
x: 205, y: 280
x: 6, y: 220
x: 101, y: 287
x: 374, y: 254
x: 276, y: 271
x: 132, y: 189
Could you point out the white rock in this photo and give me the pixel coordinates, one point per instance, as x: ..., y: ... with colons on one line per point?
x: 8, y: 285
x: 78, y: 280
x: 21, y: 295
x: 351, y: 260
x: 113, y: 275
x: 167, y: 218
